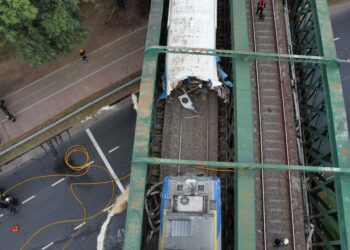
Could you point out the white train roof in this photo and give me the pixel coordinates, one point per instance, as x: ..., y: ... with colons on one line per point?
x: 191, y: 23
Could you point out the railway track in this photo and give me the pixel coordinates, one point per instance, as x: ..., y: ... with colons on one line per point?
x: 275, y: 215
x: 190, y: 136
x: 180, y: 134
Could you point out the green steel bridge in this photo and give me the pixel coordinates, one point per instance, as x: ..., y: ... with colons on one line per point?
x: 326, y: 149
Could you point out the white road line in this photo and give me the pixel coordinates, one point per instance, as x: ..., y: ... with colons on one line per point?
x: 30, y: 198
x: 104, y: 159
x: 74, y: 83
x: 336, y: 39
x: 1, y: 215
x: 47, y: 246
x: 91, y: 162
x: 117, y: 40
x: 42, y: 78
x: 79, y: 226
x: 110, y: 151
x: 60, y: 180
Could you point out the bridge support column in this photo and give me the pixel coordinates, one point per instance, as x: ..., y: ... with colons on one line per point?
x: 134, y: 219
x: 245, y: 231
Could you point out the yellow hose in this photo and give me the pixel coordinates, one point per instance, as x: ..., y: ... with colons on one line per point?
x: 85, y: 167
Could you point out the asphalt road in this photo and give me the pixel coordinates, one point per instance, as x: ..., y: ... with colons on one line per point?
x: 340, y: 21
x: 49, y: 200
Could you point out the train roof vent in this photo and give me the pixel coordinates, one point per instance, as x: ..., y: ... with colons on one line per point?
x: 181, y: 228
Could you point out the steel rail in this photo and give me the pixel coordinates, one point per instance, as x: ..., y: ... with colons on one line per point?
x: 257, y: 83
x: 180, y: 143
x: 208, y: 133
x: 284, y: 124
x: 52, y: 125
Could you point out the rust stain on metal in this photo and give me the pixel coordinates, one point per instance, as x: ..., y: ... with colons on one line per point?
x: 336, y: 86
x: 144, y: 110
x: 344, y: 151
x: 134, y: 229
x: 137, y: 203
x: 141, y: 144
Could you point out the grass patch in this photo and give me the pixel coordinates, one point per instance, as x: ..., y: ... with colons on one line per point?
x: 68, y: 123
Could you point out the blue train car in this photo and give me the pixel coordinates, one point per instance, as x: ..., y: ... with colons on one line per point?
x: 190, y: 213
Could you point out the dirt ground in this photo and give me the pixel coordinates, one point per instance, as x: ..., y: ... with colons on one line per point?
x: 15, y: 73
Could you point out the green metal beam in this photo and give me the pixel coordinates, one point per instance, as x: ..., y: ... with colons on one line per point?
x: 327, y: 244
x: 245, y: 229
x: 338, y: 130
x: 134, y: 218
x: 329, y: 212
x: 244, y: 55
x: 328, y: 191
x: 241, y: 166
x: 327, y: 219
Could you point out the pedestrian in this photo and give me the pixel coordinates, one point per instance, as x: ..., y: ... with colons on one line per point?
x: 278, y: 243
x: 2, y: 106
x: 260, y: 8
x: 2, y: 103
x: 4, y: 109
x: 83, y: 55
x: 10, y: 116
x: 121, y: 4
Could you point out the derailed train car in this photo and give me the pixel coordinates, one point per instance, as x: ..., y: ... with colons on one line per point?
x: 192, y: 24
x: 190, y: 216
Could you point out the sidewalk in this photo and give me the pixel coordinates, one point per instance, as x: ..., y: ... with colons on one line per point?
x: 46, y: 97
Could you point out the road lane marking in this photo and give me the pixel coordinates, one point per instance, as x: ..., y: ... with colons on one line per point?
x: 31, y: 94
x: 32, y: 83
x: 91, y: 162
x: 47, y: 246
x: 336, y: 39
x: 79, y: 226
x: 1, y: 215
x: 110, y: 151
x: 58, y: 182
x: 75, y: 82
x: 104, y: 159
x: 117, y: 40
x: 30, y: 198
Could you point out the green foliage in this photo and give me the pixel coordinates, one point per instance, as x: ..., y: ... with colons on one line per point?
x: 41, y: 29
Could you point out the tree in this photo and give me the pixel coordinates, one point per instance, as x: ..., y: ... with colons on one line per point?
x: 41, y: 29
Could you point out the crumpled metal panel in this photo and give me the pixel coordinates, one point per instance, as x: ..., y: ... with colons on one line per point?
x: 191, y: 23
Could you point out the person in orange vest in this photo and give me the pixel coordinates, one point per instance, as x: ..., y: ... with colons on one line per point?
x: 83, y: 55
x: 260, y: 8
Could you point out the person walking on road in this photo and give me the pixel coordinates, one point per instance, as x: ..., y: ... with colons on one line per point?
x: 278, y: 243
x: 2, y: 104
x: 10, y: 116
x: 83, y: 55
x: 260, y: 8
x: 121, y: 4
